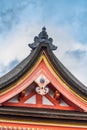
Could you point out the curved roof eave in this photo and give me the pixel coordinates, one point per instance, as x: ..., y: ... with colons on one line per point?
x: 29, y: 61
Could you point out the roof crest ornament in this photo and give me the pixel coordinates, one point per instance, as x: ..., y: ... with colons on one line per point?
x: 42, y: 37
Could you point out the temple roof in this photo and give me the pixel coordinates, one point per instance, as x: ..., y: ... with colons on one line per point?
x: 45, y: 45
x: 42, y: 61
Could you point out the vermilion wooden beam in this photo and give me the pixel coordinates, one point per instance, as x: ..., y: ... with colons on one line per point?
x: 55, y: 102
x: 39, y: 104
x: 28, y: 96
x: 38, y: 99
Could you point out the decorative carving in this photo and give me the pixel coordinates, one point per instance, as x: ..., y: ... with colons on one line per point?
x: 57, y: 95
x: 42, y: 37
x: 42, y: 90
x: 21, y: 95
x: 42, y: 82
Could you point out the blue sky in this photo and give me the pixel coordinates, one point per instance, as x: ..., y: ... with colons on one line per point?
x: 66, y: 23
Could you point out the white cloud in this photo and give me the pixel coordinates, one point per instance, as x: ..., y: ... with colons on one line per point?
x: 75, y: 64
x: 15, y: 44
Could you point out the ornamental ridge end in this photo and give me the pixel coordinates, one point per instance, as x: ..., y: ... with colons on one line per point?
x: 42, y: 37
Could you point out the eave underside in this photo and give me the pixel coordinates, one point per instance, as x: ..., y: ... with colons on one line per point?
x: 43, y: 113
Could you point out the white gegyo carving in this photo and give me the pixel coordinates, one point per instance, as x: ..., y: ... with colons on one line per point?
x: 42, y: 82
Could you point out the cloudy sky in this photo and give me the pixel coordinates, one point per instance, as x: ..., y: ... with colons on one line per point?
x: 66, y: 23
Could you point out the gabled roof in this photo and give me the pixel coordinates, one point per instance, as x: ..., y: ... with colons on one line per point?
x: 29, y: 61
x: 18, y: 78
x: 43, y: 45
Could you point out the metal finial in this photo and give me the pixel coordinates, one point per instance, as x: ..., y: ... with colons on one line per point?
x: 44, y: 28
x: 42, y: 37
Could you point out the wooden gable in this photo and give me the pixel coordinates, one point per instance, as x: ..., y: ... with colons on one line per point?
x: 60, y: 95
